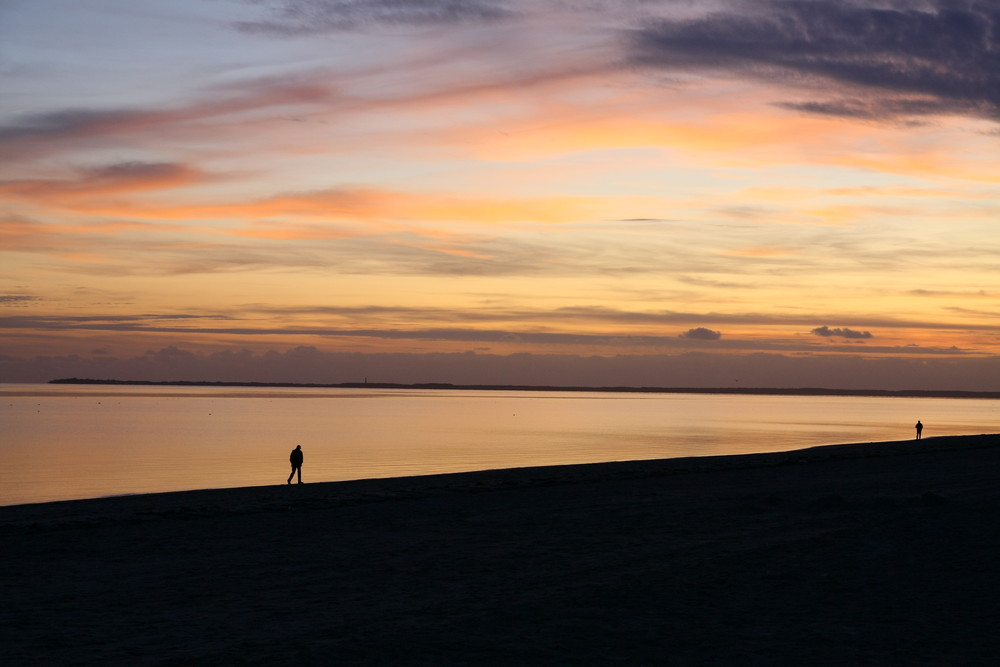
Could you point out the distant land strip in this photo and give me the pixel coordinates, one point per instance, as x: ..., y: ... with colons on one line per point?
x: 773, y: 391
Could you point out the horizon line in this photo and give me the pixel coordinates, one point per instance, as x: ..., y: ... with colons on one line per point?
x: 778, y: 391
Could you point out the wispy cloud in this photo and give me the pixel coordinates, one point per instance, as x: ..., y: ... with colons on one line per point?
x: 203, y: 330
x: 291, y: 18
x: 17, y: 299
x: 895, y: 59
x: 106, y: 180
x: 35, y: 135
x: 329, y: 319
x: 949, y: 293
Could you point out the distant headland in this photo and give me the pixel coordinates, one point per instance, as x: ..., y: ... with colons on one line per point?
x: 775, y: 391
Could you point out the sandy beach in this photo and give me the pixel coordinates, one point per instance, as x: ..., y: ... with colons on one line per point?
x: 865, y: 554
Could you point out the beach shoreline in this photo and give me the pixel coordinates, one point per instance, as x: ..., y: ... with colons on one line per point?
x: 526, y: 475
x: 868, y: 553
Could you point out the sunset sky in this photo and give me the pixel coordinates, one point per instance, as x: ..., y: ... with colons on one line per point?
x: 610, y: 192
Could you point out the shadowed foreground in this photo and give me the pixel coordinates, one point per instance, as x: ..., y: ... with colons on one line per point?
x: 844, y: 555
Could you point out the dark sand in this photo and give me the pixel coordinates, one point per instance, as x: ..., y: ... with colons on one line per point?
x: 874, y: 554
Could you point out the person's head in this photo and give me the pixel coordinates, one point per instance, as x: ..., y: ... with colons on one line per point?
x: 298, y: 446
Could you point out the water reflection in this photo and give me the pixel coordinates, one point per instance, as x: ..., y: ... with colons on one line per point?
x: 64, y: 442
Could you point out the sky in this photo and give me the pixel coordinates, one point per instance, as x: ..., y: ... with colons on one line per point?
x: 711, y: 193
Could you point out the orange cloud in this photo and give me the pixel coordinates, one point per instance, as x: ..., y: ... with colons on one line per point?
x: 364, y: 205
x: 118, y: 179
x: 758, y: 251
x: 646, y: 120
x: 26, y: 234
x: 928, y: 165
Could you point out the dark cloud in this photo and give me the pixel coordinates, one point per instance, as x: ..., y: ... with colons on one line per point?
x: 701, y: 333
x: 63, y: 123
x: 16, y: 299
x: 440, y: 323
x: 827, y: 332
x: 875, y: 108
x: 203, y: 325
x: 132, y: 171
x: 290, y: 18
x: 187, y: 324
x: 33, y: 134
x: 895, y: 59
x: 107, y: 179
x: 102, y: 322
x: 589, y: 314
x: 697, y: 369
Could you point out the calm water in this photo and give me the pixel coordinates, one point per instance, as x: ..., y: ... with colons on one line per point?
x: 62, y: 442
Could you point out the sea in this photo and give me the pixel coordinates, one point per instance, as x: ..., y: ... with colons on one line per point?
x: 64, y: 442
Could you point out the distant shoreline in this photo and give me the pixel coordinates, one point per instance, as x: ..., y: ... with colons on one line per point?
x: 766, y: 391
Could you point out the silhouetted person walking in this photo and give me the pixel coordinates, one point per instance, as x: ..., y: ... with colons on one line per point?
x: 920, y: 429
x: 296, y: 459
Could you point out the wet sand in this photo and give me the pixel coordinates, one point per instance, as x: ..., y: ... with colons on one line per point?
x: 868, y: 554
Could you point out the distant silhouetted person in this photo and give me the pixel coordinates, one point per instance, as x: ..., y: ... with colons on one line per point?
x: 296, y: 459
x: 920, y: 429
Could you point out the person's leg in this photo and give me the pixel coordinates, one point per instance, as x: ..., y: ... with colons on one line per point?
x: 291, y: 474
x: 300, y: 474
